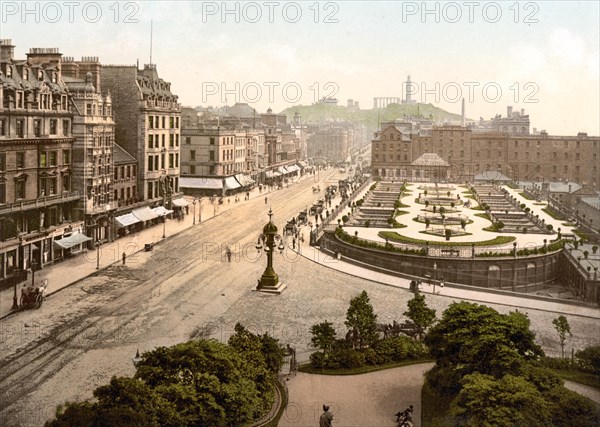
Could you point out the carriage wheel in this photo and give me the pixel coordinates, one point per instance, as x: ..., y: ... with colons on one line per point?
x: 38, y: 301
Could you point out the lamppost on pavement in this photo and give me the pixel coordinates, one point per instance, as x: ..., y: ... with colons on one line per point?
x: 194, y: 214
x: 269, y: 240
x: 434, y: 275
x: 97, y: 255
x: 164, y: 226
x: 200, y: 209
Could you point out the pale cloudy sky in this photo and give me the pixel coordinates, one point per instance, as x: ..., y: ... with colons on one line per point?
x: 542, y: 56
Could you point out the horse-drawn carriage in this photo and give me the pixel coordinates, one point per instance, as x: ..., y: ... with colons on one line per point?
x: 33, y: 296
x: 290, y: 228
x: 303, y: 217
x: 316, y: 209
x: 316, y: 189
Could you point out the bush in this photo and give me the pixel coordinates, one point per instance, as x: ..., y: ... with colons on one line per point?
x: 345, y: 219
x: 590, y: 358
x: 349, y: 358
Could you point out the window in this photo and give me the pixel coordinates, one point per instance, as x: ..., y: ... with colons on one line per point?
x: 150, y: 192
x: 37, y: 127
x: 188, y: 140
x: 171, y: 122
x: 163, y: 122
x: 192, y: 154
x: 52, y: 127
x: 212, y: 141
x: 21, y: 128
x: 20, y: 189
x: 150, y: 163
x: 576, y: 156
x: 171, y: 140
x: 21, y: 160
x: 176, y: 160
x: 176, y: 140
x: 150, y: 141
x: 177, y: 122
x: 192, y: 169
x: 151, y: 122
x: 2, y: 193
x: 66, y: 128
x: 53, y: 158
x: 2, y: 162
x: 171, y: 158
x: 2, y: 127
x: 43, y: 162
x: 163, y: 140
x: 211, y: 155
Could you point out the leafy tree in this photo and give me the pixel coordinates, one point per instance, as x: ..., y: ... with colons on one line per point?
x: 511, y: 400
x: 562, y: 327
x: 475, y: 338
x: 590, y: 356
x: 323, y: 336
x: 421, y: 315
x: 360, y: 316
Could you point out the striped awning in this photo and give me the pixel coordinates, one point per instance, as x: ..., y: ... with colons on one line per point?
x: 72, y: 240
x: 127, y: 219
x: 144, y: 214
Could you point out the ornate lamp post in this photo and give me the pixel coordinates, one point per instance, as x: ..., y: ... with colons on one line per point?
x: 269, y: 240
x: 194, y: 214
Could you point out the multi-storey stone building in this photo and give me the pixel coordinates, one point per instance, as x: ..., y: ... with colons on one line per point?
x: 125, y: 178
x: 94, y: 130
x: 520, y: 157
x: 147, y: 127
x: 37, y: 203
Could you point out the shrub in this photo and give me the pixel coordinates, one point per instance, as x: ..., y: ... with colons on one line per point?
x: 590, y: 358
x: 345, y: 219
x: 367, y: 223
x: 349, y: 358
x: 549, y: 227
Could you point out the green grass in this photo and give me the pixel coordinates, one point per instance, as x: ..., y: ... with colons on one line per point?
x: 540, y: 204
x: 308, y: 369
x: 393, y: 236
x: 581, y: 234
x: 554, y: 214
x: 464, y: 233
x: 568, y: 224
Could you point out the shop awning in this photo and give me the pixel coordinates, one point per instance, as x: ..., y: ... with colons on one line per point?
x: 244, y: 180
x: 282, y: 170
x: 302, y: 164
x: 127, y: 219
x: 272, y: 174
x: 293, y: 168
x: 231, y: 183
x: 182, y: 203
x: 72, y: 240
x: 144, y: 214
x: 161, y: 211
x: 201, y: 183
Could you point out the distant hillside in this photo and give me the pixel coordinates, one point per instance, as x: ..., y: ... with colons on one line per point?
x: 370, y: 118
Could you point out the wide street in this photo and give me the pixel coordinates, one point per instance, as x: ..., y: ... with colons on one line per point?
x: 185, y: 288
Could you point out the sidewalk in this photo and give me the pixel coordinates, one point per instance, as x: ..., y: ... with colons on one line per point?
x: 82, y: 265
x: 516, y: 300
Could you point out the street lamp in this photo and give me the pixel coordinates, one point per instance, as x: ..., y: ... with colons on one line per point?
x: 194, y: 215
x: 268, y: 241
x: 164, y: 226
x: 97, y: 255
x: 434, y: 275
x: 200, y: 209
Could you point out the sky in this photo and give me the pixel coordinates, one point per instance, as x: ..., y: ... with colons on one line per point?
x: 540, y: 56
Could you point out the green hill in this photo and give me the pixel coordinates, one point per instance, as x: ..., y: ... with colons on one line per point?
x: 318, y: 113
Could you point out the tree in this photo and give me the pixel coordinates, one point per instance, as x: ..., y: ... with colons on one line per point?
x: 590, y: 357
x: 562, y: 327
x: 361, y: 317
x: 511, y: 400
x: 323, y: 336
x: 475, y: 338
x: 421, y: 315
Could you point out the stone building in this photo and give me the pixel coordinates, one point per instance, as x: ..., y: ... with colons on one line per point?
x: 125, y: 179
x: 38, y: 205
x: 94, y: 130
x: 147, y: 127
x: 520, y: 157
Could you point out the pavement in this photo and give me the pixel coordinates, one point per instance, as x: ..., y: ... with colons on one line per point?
x: 82, y: 265
x: 67, y: 272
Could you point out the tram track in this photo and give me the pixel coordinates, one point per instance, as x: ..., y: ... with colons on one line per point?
x: 25, y: 370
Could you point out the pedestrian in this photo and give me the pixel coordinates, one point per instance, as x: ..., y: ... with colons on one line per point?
x: 228, y: 253
x: 326, y: 417
x: 294, y: 243
x: 265, y: 200
x: 124, y: 256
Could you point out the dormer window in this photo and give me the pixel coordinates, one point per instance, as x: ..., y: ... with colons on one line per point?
x: 8, y: 71
x: 54, y: 77
x: 40, y: 75
x: 25, y: 74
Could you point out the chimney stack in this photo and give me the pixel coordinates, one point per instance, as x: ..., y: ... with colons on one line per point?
x: 7, y: 50
x: 462, y: 122
x: 522, y: 112
x: 46, y: 56
x: 509, y: 111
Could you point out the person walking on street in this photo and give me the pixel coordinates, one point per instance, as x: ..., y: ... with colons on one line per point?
x: 228, y: 253
x: 326, y: 417
x: 124, y: 256
x: 265, y: 200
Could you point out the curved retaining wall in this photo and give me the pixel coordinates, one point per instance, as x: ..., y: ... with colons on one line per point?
x: 514, y: 274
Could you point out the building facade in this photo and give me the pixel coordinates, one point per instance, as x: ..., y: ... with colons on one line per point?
x: 527, y: 157
x: 38, y: 204
x: 94, y: 130
x: 148, y: 120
